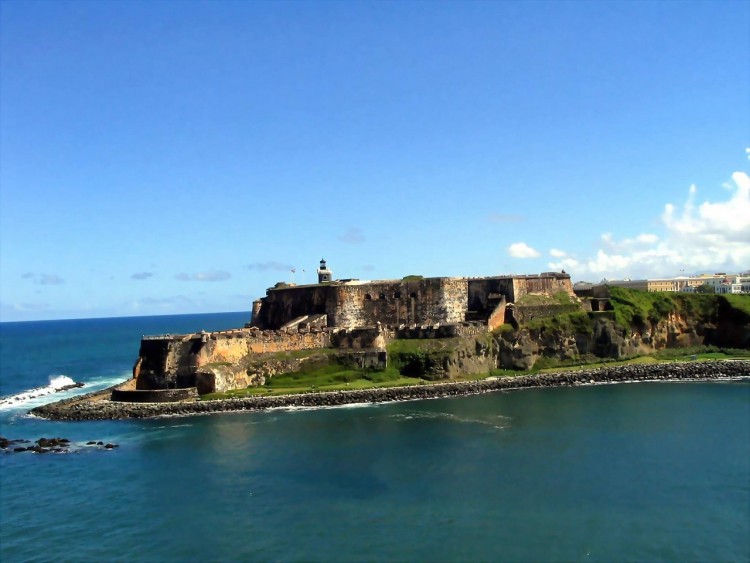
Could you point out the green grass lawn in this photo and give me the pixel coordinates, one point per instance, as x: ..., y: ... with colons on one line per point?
x: 361, y: 383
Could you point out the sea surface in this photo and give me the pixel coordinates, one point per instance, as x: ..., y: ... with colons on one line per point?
x: 632, y: 472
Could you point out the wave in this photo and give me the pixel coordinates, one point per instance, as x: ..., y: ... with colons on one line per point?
x: 293, y: 408
x: 62, y: 384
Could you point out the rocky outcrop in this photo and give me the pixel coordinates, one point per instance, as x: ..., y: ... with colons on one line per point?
x: 602, y: 338
x: 103, y: 410
x: 49, y: 445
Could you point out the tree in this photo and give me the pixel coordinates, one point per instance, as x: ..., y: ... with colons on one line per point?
x: 705, y: 288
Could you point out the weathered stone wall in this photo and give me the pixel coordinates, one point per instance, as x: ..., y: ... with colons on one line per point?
x: 362, y: 338
x: 392, y: 303
x: 549, y: 283
x: 262, y: 341
x: 224, y: 346
x: 286, y: 304
x: 168, y: 362
x: 397, y: 302
x: 220, y: 378
x: 426, y: 332
x: 171, y: 362
x: 525, y: 313
x: 486, y: 293
x: 497, y: 317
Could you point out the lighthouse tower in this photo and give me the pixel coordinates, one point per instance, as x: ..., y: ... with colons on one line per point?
x: 324, y: 274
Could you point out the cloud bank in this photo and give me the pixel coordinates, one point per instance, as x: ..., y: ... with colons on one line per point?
x: 705, y: 237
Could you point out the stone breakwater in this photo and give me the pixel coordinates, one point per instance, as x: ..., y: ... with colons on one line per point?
x: 77, y: 409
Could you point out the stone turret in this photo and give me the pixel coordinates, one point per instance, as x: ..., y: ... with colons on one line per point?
x: 324, y: 274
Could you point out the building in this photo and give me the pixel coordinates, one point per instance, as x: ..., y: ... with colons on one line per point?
x: 409, y: 301
x: 720, y: 282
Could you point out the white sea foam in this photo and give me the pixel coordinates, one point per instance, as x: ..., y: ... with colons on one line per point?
x: 294, y: 408
x: 56, y: 383
x: 58, y: 388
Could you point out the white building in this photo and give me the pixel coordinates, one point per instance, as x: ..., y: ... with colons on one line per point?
x: 722, y: 283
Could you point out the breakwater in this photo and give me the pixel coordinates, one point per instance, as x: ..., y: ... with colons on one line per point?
x: 89, y: 408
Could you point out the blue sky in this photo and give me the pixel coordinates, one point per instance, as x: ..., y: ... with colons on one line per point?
x: 180, y: 157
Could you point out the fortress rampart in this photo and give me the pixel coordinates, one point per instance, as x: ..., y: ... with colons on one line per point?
x: 353, y: 316
x: 428, y: 301
x: 171, y: 361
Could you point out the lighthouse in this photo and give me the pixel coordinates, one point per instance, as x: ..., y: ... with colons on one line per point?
x: 324, y: 274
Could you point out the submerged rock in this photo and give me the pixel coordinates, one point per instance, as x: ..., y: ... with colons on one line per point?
x: 46, y: 445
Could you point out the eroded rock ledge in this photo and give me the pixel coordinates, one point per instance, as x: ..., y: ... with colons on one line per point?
x: 78, y: 409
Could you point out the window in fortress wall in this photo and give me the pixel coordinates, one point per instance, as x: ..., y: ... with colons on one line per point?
x: 368, y: 297
x: 382, y: 296
x: 397, y: 295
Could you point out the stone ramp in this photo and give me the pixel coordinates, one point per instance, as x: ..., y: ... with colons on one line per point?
x: 320, y: 320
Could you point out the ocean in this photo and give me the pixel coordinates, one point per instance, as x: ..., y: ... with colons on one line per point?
x: 631, y: 472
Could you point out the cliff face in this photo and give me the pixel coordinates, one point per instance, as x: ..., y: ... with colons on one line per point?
x: 672, y: 322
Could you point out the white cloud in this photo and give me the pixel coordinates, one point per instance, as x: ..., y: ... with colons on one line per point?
x: 522, y: 250
x: 647, y: 238
x: 555, y: 253
x: 710, y: 236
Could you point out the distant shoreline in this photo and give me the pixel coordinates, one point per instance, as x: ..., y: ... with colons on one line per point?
x: 97, y: 406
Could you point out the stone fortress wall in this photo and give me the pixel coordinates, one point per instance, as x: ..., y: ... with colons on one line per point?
x: 347, y: 315
x: 171, y: 361
x: 428, y: 301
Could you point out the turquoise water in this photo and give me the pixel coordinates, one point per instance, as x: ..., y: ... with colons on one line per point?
x: 650, y: 471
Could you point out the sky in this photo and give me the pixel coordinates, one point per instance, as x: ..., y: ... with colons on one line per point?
x: 183, y: 156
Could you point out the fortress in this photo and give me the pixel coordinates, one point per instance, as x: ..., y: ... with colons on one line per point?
x: 348, y: 304
x: 351, y: 316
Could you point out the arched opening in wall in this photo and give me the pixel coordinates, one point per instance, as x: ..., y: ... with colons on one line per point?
x: 413, y: 295
x: 382, y: 296
x: 397, y: 295
x: 368, y: 297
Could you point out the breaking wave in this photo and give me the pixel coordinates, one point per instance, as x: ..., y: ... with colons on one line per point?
x: 56, y: 384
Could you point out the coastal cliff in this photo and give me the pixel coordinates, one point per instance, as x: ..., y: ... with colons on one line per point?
x: 636, y: 324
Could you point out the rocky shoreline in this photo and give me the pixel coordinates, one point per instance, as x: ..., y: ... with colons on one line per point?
x: 79, y: 408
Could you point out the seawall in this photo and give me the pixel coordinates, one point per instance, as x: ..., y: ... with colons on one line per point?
x: 682, y: 371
